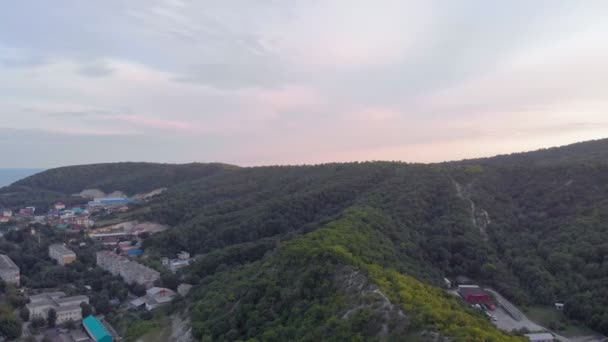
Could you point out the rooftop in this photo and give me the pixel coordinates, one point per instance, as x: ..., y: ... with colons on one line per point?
x: 46, y: 296
x: 61, y: 249
x: 71, y: 299
x: 471, y: 290
x: 95, y: 328
x: 7, y: 263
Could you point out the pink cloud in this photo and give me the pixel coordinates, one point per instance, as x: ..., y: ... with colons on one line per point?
x: 139, y: 120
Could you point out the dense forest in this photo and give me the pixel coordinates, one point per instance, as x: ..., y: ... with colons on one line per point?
x: 281, y: 248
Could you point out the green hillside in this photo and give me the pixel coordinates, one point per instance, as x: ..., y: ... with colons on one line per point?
x: 357, y: 251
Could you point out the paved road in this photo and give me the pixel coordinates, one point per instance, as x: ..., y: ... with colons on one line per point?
x: 517, y: 319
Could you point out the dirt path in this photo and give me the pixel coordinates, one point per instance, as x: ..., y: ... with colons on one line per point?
x: 479, y: 217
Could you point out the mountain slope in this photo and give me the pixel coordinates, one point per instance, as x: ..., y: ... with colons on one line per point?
x: 349, y: 249
x: 61, y: 183
x: 329, y: 285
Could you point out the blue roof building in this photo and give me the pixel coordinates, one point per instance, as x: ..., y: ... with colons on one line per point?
x: 135, y: 252
x: 96, y: 330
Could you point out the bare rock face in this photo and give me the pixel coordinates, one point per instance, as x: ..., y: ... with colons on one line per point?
x: 181, y: 329
x: 385, y: 318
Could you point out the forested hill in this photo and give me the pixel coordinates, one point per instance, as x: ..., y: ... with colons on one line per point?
x: 594, y: 151
x: 130, y: 178
x: 356, y: 251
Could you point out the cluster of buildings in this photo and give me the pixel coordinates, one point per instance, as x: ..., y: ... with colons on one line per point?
x: 130, y: 271
x: 129, y: 230
x: 183, y: 260
x: 112, y: 204
x: 61, y: 254
x: 67, y: 308
x: 9, y: 271
x: 7, y: 215
x: 62, y: 217
x: 75, y: 218
x: 155, y: 297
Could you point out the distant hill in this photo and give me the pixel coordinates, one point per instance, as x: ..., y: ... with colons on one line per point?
x: 357, y: 251
x: 8, y: 176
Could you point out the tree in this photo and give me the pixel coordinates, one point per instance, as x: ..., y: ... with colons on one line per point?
x: 10, y: 327
x: 24, y: 313
x: 69, y: 324
x: 169, y: 280
x: 87, y: 309
x: 51, y: 318
x: 37, y: 322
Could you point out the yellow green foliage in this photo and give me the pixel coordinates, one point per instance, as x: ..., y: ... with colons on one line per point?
x: 356, y: 239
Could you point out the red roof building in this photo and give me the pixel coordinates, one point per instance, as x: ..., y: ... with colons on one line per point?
x: 474, y: 294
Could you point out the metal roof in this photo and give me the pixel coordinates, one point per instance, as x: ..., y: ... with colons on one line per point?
x: 96, y: 329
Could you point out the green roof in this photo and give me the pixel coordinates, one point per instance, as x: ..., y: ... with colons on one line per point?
x: 97, y: 331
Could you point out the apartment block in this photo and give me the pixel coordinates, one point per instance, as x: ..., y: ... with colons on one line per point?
x: 67, y: 308
x: 130, y: 271
x: 61, y: 254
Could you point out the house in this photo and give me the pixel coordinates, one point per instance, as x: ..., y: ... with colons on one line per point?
x: 96, y: 330
x: 130, y: 271
x: 4, y: 219
x: 540, y: 337
x: 559, y: 306
x: 155, y: 297
x: 6, y: 213
x: 61, y: 254
x: 473, y: 294
x: 9, y: 271
x: 447, y: 282
x: 59, y: 206
x: 27, y: 211
x: 67, y: 308
x: 183, y: 260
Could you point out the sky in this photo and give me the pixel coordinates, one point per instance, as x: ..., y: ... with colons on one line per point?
x: 300, y: 81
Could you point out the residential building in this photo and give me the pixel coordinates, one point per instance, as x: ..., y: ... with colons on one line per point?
x: 109, y: 238
x: 67, y: 308
x: 183, y: 255
x: 9, y: 271
x: 96, y: 330
x: 559, y: 306
x: 540, y: 337
x: 59, y: 206
x: 183, y: 260
x: 27, y: 211
x: 4, y: 219
x: 6, y: 213
x: 61, y: 254
x: 155, y: 297
x: 474, y: 294
x: 130, y: 271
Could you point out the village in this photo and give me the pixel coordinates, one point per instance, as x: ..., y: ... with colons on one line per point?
x: 117, y: 247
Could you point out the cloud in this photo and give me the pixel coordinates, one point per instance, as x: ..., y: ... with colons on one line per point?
x: 95, y: 70
x: 299, y: 81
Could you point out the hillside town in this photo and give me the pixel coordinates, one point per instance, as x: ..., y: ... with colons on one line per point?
x: 53, y: 314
